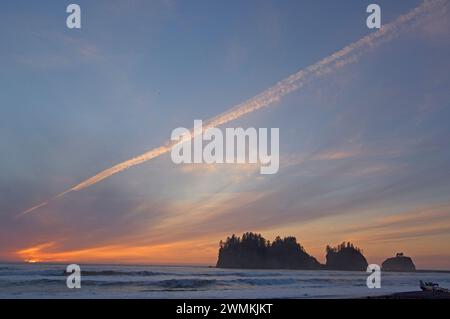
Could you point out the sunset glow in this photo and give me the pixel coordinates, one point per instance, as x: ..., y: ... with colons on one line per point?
x: 85, y: 131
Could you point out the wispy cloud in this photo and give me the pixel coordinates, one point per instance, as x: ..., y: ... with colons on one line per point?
x: 184, y: 252
x: 349, y: 54
x: 53, y: 50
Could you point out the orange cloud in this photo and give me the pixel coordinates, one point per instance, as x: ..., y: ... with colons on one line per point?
x: 185, y: 252
x: 336, y: 155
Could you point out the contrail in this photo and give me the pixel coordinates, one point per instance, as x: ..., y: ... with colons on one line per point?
x: 34, y: 208
x: 339, y: 59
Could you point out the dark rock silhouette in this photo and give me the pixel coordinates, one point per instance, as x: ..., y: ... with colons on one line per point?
x: 398, y: 263
x: 252, y: 251
x: 345, y: 257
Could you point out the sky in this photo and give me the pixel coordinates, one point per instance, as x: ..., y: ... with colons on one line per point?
x: 364, y: 150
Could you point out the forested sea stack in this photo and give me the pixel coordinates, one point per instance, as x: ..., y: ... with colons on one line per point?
x: 253, y: 251
x: 345, y: 257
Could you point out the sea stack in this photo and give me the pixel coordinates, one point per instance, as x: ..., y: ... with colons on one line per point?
x: 345, y: 257
x: 252, y: 251
x: 399, y: 263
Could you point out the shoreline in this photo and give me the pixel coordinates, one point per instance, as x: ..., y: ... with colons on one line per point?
x: 418, y: 295
x: 61, y: 263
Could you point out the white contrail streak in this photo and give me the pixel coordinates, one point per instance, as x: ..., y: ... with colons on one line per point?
x: 347, y: 55
x: 34, y: 208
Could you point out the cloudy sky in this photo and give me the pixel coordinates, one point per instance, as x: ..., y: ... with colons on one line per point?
x: 364, y: 150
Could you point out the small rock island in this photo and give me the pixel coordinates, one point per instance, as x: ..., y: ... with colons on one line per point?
x: 346, y: 257
x: 399, y: 263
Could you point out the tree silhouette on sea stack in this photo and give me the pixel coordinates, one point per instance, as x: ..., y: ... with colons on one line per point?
x: 252, y: 251
x: 345, y: 257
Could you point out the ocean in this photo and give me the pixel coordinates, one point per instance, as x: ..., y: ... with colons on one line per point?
x: 117, y: 281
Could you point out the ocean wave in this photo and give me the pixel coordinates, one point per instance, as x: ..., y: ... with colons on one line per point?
x: 186, y: 283
x: 142, y: 273
x: 145, y: 273
x: 32, y: 282
x: 21, y: 272
x: 263, y: 282
x: 193, y: 283
x: 237, y: 274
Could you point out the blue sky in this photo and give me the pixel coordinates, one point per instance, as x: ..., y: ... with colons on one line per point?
x: 363, y: 148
